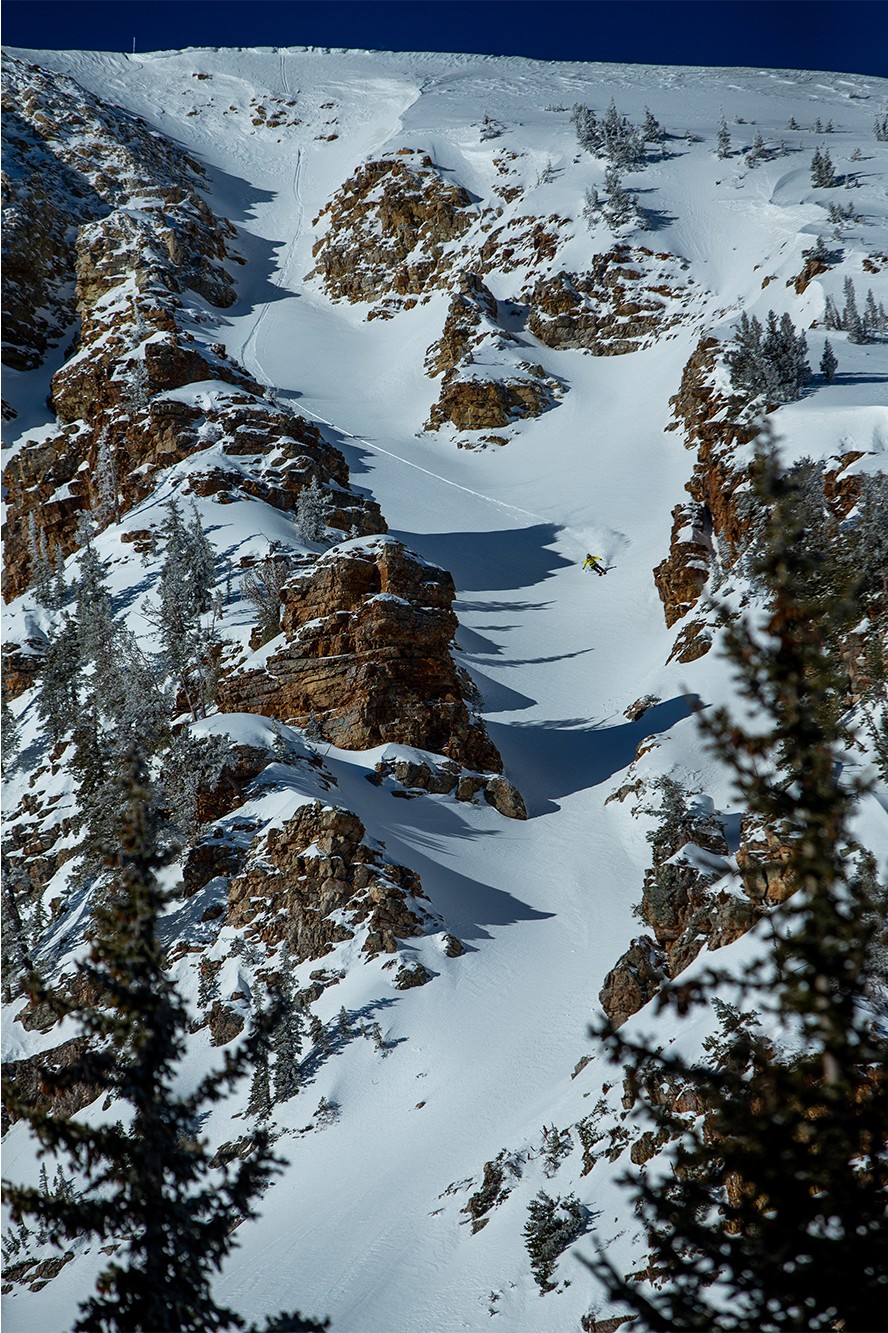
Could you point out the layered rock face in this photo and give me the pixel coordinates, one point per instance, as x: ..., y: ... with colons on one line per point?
x: 367, y: 657
x: 472, y: 340
x: 314, y: 883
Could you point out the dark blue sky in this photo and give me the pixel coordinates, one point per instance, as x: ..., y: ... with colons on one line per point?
x: 844, y: 35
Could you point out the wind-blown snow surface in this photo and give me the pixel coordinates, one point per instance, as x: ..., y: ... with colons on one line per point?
x: 360, y: 1225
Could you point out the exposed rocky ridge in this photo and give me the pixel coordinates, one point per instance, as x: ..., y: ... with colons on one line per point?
x: 71, y: 159
x: 472, y: 398
x: 315, y: 882
x: 626, y: 299
x: 121, y: 419
x: 367, y: 657
x: 413, y: 777
x: 695, y: 896
x: 715, y: 528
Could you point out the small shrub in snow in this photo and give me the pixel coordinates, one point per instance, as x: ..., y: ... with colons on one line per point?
x: 262, y: 585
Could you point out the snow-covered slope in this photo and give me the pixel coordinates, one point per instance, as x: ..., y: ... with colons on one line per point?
x: 368, y: 1223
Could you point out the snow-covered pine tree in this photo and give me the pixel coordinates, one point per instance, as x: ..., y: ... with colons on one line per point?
x: 107, y: 484
x: 829, y: 362
x: 621, y: 207
x: 286, y: 1038
x: 9, y: 731
x: 41, y: 570
x: 723, y: 139
x: 757, y: 151
x: 823, y: 175
x: 191, y: 767
x: 851, y: 320
x: 552, y: 1225
x: 136, y: 394
x: 185, y: 594
x: 259, y: 1099
x: 311, y: 512
x: 60, y: 678
x: 651, y: 127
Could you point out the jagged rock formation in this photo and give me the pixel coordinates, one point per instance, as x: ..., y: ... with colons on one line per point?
x: 627, y: 298
x: 367, y: 657
x: 388, y: 228
x: 315, y: 882
x: 71, y: 159
x: 116, y: 399
x: 472, y: 322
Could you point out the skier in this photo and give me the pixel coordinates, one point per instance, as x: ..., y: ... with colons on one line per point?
x: 594, y: 562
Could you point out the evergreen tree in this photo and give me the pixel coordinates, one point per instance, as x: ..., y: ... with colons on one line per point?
x: 871, y: 320
x: 770, y: 361
x: 41, y: 570
x: 151, y: 1189
x: 311, y: 512
x: 9, y: 732
x: 192, y: 766
x: 107, y: 485
x: 552, y: 1225
x: 880, y: 127
x: 286, y: 1040
x: 823, y: 175
x: 757, y: 151
x: 829, y: 362
x: 57, y: 700
x: 773, y: 1216
x: 723, y: 139
x: 185, y: 595
x: 259, y: 1100
x: 651, y: 127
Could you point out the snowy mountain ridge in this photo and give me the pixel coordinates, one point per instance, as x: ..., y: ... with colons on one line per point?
x: 400, y: 281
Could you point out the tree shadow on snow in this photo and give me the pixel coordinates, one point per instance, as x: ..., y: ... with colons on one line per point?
x: 549, y: 760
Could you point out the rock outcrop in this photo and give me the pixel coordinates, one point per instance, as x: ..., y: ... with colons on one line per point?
x: 627, y: 299
x: 481, y: 387
x: 682, y: 576
x: 388, y: 228
x: 71, y: 159
x: 144, y: 389
x: 315, y: 882
x: 633, y: 980
x: 367, y: 657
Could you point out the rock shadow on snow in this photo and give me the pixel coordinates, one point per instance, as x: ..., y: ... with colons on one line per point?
x: 492, y: 561
x: 551, y: 760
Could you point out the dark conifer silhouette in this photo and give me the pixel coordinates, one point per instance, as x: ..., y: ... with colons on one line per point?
x: 151, y: 1187
x: 773, y: 1216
